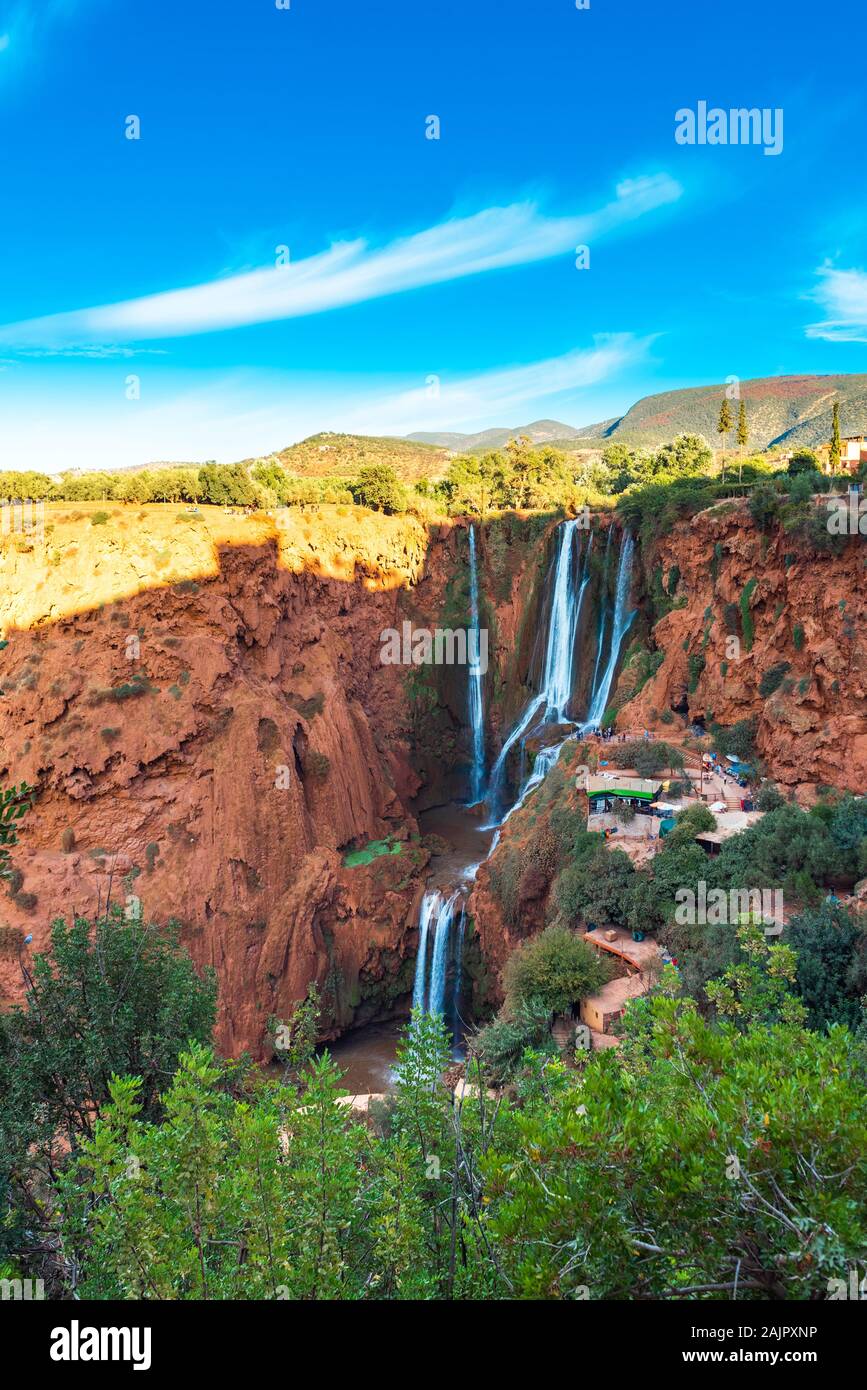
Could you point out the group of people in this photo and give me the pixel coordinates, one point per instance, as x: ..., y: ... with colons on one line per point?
x: 610, y: 735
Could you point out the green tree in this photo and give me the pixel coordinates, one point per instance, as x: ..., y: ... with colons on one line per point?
x: 113, y: 997
x: 686, y: 1164
x: 557, y: 968
x: 378, y: 487
x: 685, y: 457
x: 224, y: 1199
x: 647, y: 756
x: 596, y: 888
x: 758, y: 986
x: 227, y: 485
x: 742, y: 437
x: 274, y: 479
x: 835, y: 439
x: 724, y: 425
x: 803, y: 461
x: 831, y: 949
x: 620, y: 467
x: 475, y: 485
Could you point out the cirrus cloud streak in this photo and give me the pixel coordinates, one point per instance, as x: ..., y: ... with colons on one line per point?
x: 350, y: 272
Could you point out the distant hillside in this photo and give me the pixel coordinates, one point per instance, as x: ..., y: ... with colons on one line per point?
x: 341, y: 455
x: 789, y: 410
x: 540, y: 431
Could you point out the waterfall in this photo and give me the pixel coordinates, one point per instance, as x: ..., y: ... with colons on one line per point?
x: 571, y: 576
x: 517, y: 731
x: 560, y: 651
x: 440, y: 960
x: 429, y: 989
x: 544, y: 761
x: 621, y: 621
x: 603, y: 613
x: 476, y: 702
x: 558, y: 671
x: 429, y: 904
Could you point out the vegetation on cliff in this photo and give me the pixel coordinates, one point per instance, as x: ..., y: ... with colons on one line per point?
x: 235, y: 1186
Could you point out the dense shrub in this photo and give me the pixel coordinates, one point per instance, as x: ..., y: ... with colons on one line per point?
x: 788, y: 847
x: 747, y: 626
x: 502, y: 1043
x: 596, y: 887
x: 647, y: 756
x: 379, y: 488
x: 764, y: 505
x: 831, y: 949
x: 735, y: 740
x: 772, y: 679
x: 556, y: 968
x: 768, y: 797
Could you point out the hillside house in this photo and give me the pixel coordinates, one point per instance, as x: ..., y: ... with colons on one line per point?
x: 853, y: 452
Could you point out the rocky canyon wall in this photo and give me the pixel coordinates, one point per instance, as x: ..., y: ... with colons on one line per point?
x: 760, y: 626
x: 200, y: 703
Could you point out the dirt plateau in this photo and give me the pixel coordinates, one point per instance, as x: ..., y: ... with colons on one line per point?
x: 201, y: 705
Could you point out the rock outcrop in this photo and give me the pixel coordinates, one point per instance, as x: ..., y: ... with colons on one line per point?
x: 762, y: 628
x: 200, y: 703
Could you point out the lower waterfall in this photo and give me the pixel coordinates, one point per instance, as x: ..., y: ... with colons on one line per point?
x: 441, y: 915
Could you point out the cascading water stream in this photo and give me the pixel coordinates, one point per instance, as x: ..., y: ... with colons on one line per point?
x: 560, y: 648
x: 603, y: 614
x: 549, y: 706
x: 558, y: 671
x: 459, y: 956
x: 476, y: 699
x: 429, y: 904
x: 620, y: 626
x: 431, y: 966
x: 440, y: 961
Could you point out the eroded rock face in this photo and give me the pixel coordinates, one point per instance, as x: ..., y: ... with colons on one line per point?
x: 211, y: 743
x: 512, y: 897
x: 808, y: 614
x: 201, y: 705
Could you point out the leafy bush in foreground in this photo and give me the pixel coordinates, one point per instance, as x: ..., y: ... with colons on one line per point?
x: 557, y: 968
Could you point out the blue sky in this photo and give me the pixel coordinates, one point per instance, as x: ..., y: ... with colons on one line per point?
x: 428, y: 284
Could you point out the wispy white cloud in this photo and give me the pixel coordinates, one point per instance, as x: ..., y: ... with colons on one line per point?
x: 350, y: 272
x: 843, y: 297
x: 228, y: 416
x: 499, y: 396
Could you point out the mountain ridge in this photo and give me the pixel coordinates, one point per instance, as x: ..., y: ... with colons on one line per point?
x: 791, y: 410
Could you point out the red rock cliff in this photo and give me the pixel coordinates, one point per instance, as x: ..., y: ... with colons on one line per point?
x: 201, y: 705
x: 788, y: 608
